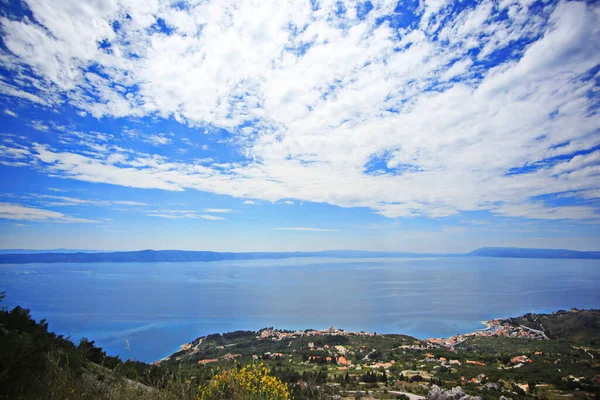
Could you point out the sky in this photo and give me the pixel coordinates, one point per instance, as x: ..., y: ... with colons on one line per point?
x: 426, y: 126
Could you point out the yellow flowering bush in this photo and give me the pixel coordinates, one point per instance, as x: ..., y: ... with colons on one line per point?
x: 249, y: 382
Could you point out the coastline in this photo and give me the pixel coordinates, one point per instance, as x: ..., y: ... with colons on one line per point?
x: 493, y: 328
x: 488, y: 326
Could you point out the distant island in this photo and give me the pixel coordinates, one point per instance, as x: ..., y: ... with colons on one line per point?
x: 73, y: 256
x: 516, y: 252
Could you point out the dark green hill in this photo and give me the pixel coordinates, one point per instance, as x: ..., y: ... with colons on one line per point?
x: 573, y: 325
x: 38, y: 364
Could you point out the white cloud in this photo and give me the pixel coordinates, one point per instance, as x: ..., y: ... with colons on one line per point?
x: 538, y: 211
x: 312, y: 108
x: 249, y: 202
x: 217, y: 210
x: 306, y: 229
x: 288, y: 202
x: 169, y: 216
x: 58, y: 201
x: 11, y: 113
x: 40, y: 126
x: 9, y: 90
x: 13, y: 152
x: 159, y: 139
x: 457, y: 69
x: 23, y: 213
x: 211, y: 217
x: 183, y: 214
x: 130, y: 203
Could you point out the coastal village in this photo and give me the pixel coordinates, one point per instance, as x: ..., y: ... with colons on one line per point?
x: 505, y: 358
x: 494, y: 328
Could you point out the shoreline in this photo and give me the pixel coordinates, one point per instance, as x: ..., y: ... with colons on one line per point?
x: 488, y: 326
x: 493, y: 328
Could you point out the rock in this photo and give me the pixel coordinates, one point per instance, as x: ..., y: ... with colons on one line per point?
x: 490, y: 386
x: 457, y: 393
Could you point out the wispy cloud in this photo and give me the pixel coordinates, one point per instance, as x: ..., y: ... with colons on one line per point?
x: 217, y: 210
x: 183, y: 214
x: 40, y: 126
x: 211, y: 217
x: 307, y: 229
x: 11, y: 113
x: 130, y: 203
x: 58, y: 201
x: 159, y: 139
x: 23, y: 213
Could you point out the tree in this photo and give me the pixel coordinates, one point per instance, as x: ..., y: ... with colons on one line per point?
x: 90, y: 352
x: 531, y: 387
x: 383, y: 377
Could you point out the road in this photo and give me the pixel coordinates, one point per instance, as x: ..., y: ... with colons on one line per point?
x: 366, y: 358
x: 410, y: 395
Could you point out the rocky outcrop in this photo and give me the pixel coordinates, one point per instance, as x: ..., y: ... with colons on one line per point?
x: 457, y: 393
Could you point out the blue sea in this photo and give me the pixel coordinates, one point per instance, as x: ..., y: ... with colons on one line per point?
x: 158, y: 306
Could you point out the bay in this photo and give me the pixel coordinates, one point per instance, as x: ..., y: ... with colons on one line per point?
x: 155, y: 307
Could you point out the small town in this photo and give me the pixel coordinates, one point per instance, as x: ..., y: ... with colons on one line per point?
x: 494, y: 328
x: 513, y: 358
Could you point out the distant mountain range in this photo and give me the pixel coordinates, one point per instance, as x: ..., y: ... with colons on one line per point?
x: 516, y: 252
x: 74, y: 256
x: 30, y: 251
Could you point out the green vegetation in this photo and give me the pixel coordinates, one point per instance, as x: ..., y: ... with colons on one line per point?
x: 573, y: 325
x: 249, y: 382
x: 37, y: 364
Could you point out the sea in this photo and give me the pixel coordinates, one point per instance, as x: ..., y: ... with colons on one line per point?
x: 145, y: 311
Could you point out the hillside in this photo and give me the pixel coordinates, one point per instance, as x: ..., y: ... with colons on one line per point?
x: 573, y: 325
x: 486, y: 363
x: 312, y: 364
x: 38, y: 364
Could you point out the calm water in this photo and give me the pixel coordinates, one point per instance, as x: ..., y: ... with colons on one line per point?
x: 158, y: 306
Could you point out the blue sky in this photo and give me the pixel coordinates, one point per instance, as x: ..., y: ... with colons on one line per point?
x: 289, y: 125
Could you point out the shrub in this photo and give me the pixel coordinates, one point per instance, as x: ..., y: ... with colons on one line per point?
x: 250, y: 382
